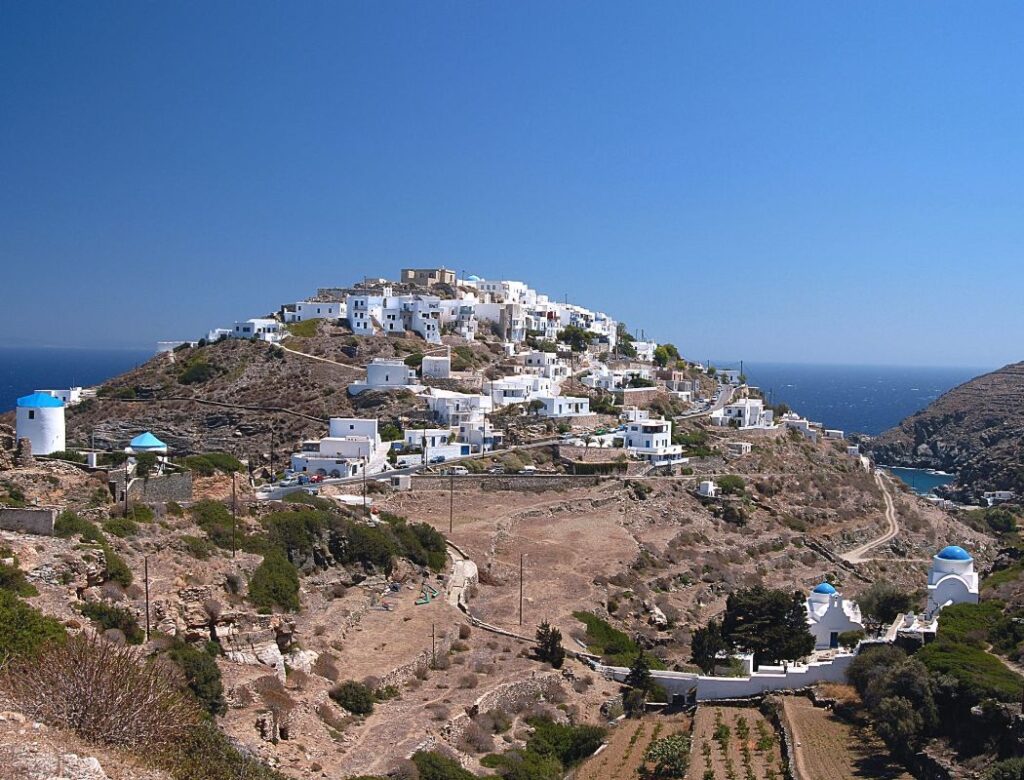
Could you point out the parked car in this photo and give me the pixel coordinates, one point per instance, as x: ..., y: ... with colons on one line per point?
x: 496, y: 470
x: 316, y: 478
x: 458, y: 471
x: 528, y: 470
x: 438, y: 459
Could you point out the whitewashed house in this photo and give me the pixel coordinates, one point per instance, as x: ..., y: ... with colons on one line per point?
x: 651, y: 440
x: 739, y: 447
x: 545, y: 364
x: 477, y: 431
x: 364, y: 312
x: 518, y: 389
x: 386, y: 374
x: 829, y: 615
x: 645, y: 350
x: 351, y: 444
x: 452, y: 408
x: 794, y: 422
x: 834, y: 434
x: 314, y: 310
x: 436, y: 367
x: 998, y: 496
x: 69, y: 396
x: 744, y: 413
x: 563, y: 406
x: 258, y: 329
x: 708, y: 489
x: 951, y: 580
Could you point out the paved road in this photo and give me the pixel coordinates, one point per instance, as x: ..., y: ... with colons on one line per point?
x: 859, y: 555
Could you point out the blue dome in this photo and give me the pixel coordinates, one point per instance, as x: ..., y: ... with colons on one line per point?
x: 954, y: 553
x: 147, y: 439
x: 39, y: 400
x: 824, y: 588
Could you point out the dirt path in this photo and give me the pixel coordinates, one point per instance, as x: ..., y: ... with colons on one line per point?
x: 859, y: 555
x: 322, y: 359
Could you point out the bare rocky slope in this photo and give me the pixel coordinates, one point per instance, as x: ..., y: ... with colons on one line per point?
x: 975, y: 430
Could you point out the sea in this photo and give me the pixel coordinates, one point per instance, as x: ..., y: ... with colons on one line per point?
x: 862, y: 399
x: 24, y: 369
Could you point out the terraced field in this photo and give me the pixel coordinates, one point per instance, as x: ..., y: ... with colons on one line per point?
x: 734, y: 743
x: 623, y: 757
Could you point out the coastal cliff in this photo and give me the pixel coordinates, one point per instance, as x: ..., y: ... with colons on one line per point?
x: 975, y: 430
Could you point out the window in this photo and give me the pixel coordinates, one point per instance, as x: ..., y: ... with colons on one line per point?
x: 31, y: 414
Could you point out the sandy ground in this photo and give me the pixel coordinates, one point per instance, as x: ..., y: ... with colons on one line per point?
x: 627, y: 742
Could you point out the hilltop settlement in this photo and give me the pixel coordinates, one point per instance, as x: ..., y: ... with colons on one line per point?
x: 440, y: 526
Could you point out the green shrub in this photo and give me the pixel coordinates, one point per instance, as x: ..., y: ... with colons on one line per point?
x: 208, y: 464
x: 275, y: 583
x: 569, y: 744
x: 731, y: 485
x: 69, y: 524
x: 1009, y: 769
x: 73, y: 455
x: 108, y: 616
x: 434, y: 766
x: 218, y: 523
x: 981, y: 675
x: 616, y: 647
x: 141, y: 513
x: 12, y: 578
x: 196, y: 372
x: 199, y: 548
x: 121, y: 527
x: 12, y: 495
x: 117, y: 569
x: 354, y: 697
x: 25, y: 629
x: 202, y: 676
x: 145, y: 464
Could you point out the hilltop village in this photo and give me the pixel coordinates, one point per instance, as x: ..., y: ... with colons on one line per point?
x: 447, y: 527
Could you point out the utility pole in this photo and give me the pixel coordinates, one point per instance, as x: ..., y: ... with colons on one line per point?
x: 145, y: 563
x: 234, y: 514
x: 451, y: 503
x: 364, y: 483
x: 521, y: 557
x: 433, y: 646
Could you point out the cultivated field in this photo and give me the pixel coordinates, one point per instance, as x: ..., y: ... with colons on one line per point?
x: 826, y: 747
x: 734, y: 742
x: 627, y: 742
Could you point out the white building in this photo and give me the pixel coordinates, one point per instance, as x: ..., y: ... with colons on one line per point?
x: 829, y: 615
x: 478, y: 432
x: 452, y: 408
x: 853, y: 450
x: 739, y: 447
x: 170, y: 346
x: 545, y: 364
x: 744, y: 413
x: 835, y: 435
x: 708, y: 488
x: 635, y: 414
x: 350, y: 443
x: 794, y: 422
x: 645, y: 350
x: 951, y: 580
x: 258, y: 329
x: 69, y: 396
x: 40, y: 419
x: 314, y: 310
x: 426, y: 437
x: 998, y: 496
x: 146, y: 442
x: 729, y: 376
x: 563, y: 405
x: 519, y: 389
x: 436, y: 367
x: 651, y: 440
x: 385, y: 374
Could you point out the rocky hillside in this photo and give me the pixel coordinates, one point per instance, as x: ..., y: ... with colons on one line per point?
x: 975, y: 430
x: 249, y: 397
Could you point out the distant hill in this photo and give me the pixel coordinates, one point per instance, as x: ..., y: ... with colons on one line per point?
x: 976, y: 430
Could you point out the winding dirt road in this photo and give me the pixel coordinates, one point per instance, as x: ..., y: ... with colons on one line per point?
x: 859, y: 555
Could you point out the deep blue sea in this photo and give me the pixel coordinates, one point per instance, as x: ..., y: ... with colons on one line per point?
x: 24, y: 369
x: 865, y: 399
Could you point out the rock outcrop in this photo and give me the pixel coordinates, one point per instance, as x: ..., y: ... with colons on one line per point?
x: 975, y: 430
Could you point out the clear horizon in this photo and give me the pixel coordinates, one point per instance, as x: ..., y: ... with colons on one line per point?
x: 831, y: 185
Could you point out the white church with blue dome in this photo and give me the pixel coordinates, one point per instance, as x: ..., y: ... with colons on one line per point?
x: 951, y: 580
x: 829, y: 615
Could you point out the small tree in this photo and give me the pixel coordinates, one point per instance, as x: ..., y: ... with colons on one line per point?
x: 706, y: 645
x: 549, y: 645
x: 884, y: 601
x: 640, y: 673
x: 849, y: 639
x: 354, y: 697
x: 145, y: 464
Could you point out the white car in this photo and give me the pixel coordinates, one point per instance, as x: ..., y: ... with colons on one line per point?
x: 458, y: 471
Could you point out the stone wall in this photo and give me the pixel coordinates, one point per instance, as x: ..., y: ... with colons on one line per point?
x: 518, y: 482
x: 510, y: 698
x: 402, y: 674
x: 29, y: 521
x: 164, y: 487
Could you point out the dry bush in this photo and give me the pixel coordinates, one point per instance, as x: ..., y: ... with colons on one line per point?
x: 476, y: 740
x: 326, y: 667
x: 485, y: 668
x: 459, y: 647
x: 332, y: 717
x: 441, y: 662
x: 404, y: 770
x: 274, y: 695
x: 468, y: 681
x: 494, y: 721
x: 438, y: 711
x: 112, y: 591
x: 213, y: 609
x: 105, y: 693
x: 465, y: 631
x: 298, y: 679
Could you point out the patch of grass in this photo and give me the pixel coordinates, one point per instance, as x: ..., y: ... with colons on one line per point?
x: 26, y: 629
x: 981, y: 675
x: 199, y: 548
x: 614, y: 646
x: 108, y: 616
x: 121, y: 527
x: 305, y: 329
x: 209, y: 463
x: 12, y: 578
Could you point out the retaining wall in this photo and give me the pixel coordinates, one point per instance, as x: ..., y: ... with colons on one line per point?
x: 518, y: 482
x: 764, y: 681
x: 28, y: 520
x: 164, y: 487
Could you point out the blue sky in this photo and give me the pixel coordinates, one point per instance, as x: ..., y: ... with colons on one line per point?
x: 807, y: 182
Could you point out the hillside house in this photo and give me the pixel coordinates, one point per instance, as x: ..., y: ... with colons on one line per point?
x: 258, y: 329
x: 563, y: 406
x: 386, y: 374
x: 428, y: 277
x: 651, y: 440
x: 744, y: 413
x: 314, y: 310
x: 351, y: 443
x: 436, y: 367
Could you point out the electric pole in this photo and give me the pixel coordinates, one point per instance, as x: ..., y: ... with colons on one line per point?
x: 521, y: 557
x: 433, y: 646
x: 145, y: 563
x: 451, y: 503
x: 364, y: 484
x: 234, y: 514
